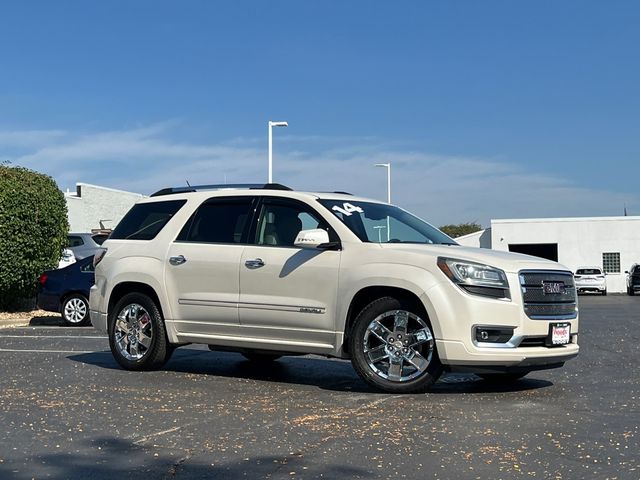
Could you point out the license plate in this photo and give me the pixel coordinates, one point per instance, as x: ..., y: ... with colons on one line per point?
x: 559, y: 334
x: 553, y: 288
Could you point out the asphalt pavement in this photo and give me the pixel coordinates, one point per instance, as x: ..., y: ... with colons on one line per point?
x: 68, y: 411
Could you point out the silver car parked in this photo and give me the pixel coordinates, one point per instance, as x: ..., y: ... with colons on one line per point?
x: 85, y: 244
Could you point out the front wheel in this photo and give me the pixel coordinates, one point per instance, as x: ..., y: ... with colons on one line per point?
x: 604, y: 292
x: 393, y: 347
x: 137, y: 335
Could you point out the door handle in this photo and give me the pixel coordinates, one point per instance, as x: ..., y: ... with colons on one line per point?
x: 255, y: 263
x: 179, y: 260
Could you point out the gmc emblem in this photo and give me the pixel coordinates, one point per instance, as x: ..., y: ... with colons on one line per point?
x: 553, y: 288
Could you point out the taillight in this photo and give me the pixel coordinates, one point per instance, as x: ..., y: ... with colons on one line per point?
x: 97, y: 258
x: 43, y: 279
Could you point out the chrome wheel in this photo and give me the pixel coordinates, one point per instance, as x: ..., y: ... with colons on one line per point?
x: 75, y: 310
x: 398, y: 346
x: 133, y: 332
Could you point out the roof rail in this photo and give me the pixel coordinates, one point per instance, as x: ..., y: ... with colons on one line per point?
x: 222, y: 186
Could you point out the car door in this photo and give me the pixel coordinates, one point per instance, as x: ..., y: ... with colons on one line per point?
x: 288, y: 294
x: 203, y: 264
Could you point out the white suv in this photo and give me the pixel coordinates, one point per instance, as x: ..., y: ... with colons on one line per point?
x: 267, y: 271
x: 591, y: 279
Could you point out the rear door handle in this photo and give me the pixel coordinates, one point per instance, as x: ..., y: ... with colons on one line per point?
x: 179, y: 260
x: 255, y: 263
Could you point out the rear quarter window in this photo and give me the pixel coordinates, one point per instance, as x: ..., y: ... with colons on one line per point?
x: 145, y: 220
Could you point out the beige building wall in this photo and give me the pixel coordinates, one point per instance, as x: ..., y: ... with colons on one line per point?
x: 90, y: 204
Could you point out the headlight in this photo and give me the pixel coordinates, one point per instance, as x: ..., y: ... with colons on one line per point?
x: 476, y: 278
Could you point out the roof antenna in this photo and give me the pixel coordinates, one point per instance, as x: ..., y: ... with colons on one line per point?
x: 188, y: 184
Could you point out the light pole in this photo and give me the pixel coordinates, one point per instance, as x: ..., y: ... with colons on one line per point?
x: 271, y: 125
x: 388, y: 167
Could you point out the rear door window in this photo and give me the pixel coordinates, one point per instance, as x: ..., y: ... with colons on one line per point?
x: 145, y: 220
x: 99, y: 238
x: 75, y: 241
x: 219, y: 220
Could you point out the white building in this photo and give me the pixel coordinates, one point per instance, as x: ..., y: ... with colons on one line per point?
x: 610, y: 242
x: 91, y: 206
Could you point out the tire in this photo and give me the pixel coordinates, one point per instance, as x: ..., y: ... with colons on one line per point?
x: 137, y: 335
x: 75, y: 311
x: 630, y: 291
x: 604, y: 293
x: 261, y: 357
x: 504, y: 378
x: 402, y: 338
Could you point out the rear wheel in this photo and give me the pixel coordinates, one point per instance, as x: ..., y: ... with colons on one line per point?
x: 75, y: 311
x: 393, y: 347
x: 630, y: 291
x: 137, y: 334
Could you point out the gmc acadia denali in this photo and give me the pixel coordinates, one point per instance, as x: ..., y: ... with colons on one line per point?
x: 267, y: 271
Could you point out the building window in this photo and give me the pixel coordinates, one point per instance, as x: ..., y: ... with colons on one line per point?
x: 611, y: 262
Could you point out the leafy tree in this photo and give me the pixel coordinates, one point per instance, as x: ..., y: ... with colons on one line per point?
x: 33, y: 231
x: 461, y: 229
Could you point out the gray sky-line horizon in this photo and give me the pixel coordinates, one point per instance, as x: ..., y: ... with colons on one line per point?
x: 442, y: 189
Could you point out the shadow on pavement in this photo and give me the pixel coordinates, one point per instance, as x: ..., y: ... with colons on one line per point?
x: 113, y: 458
x: 335, y: 375
x: 46, y: 321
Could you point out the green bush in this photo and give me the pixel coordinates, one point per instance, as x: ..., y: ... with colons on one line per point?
x: 455, y: 231
x: 33, y: 231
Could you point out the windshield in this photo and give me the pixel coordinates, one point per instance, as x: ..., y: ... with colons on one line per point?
x: 382, y: 223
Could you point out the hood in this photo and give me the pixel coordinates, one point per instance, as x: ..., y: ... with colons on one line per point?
x: 507, y: 261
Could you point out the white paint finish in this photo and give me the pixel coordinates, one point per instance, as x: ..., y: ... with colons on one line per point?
x: 92, y: 203
x: 581, y: 241
x: 292, y: 279
x: 203, y: 291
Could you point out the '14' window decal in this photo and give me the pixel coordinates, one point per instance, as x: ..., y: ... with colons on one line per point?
x: 347, y: 209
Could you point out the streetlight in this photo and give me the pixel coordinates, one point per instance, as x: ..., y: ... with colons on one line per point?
x: 388, y: 167
x: 271, y: 125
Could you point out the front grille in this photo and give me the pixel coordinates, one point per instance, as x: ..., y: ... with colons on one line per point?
x: 541, y: 305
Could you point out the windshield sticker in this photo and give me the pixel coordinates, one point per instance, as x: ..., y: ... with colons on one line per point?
x: 347, y: 209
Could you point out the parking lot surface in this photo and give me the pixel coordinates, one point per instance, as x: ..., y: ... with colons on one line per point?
x: 68, y: 411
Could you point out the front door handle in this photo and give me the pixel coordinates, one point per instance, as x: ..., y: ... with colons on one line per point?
x: 255, y: 263
x: 179, y: 260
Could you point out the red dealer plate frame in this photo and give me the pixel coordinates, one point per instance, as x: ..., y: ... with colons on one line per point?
x: 559, y: 334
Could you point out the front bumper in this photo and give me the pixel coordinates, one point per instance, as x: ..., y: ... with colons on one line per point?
x: 489, y: 360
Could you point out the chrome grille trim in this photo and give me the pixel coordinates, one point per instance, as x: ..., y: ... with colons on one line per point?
x: 540, y: 306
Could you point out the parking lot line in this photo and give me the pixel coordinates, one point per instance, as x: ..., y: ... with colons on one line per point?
x: 54, y: 336
x: 14, y: 350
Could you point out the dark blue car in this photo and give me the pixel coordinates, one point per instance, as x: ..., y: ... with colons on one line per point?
x: 66, y: 291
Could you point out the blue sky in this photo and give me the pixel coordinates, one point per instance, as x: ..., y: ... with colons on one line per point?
x: 486, y: 109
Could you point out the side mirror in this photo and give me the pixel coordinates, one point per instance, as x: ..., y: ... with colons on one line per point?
x: 311, y: 238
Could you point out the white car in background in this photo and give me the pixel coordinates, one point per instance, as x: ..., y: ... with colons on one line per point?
x: 591, y: 279
x: 67, y: 258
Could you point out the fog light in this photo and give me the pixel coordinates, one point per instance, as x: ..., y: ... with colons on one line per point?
x: 494, y: 334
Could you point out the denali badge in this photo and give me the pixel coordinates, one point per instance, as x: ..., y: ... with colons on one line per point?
x: 553, y: 288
